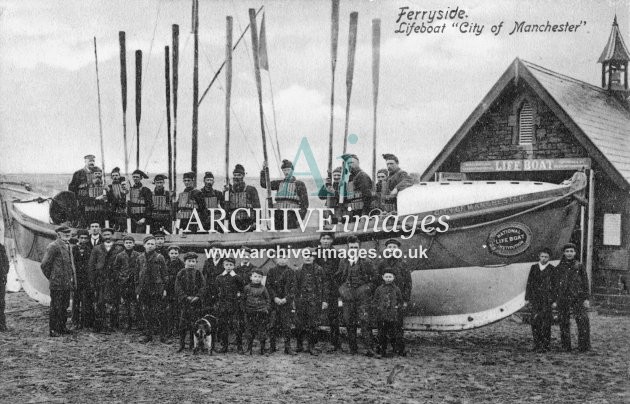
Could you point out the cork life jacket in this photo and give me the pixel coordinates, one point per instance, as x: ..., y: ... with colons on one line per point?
x: 161, y: 206
x: 185, y: 205
x: 84, y: 187
x: 286, y: 196
x: 386, y: 201
x: 354, y: 199
x: 137, y: 204
x: 239, y: 199
x: 212, y: 202
x: 95, y: 190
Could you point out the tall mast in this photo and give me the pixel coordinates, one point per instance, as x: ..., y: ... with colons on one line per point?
x: 228, y: 97
x: 195, y: 115
x: 167, y: 81
x: 352, y: 46
x: 138, y: 103
x: 123, y: 88
x: 254, y: 32
x: 175, y: 86
x: 376, y: 59
x: 100, y: 119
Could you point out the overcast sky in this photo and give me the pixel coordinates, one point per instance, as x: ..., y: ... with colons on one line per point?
x: 429, y: 83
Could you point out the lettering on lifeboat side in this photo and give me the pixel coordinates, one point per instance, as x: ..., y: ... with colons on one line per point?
x: 509, y: 239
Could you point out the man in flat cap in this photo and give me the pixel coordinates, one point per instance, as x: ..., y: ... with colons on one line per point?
x: 117, y: 200
x: 356, y: 191
x: 329, y: 192
x: 81, y: 179
x: 189, y: 288
x: 397, y: 180
x: 96, y: 202
x: 58, y: 267
x: 161, y: 216
x: 126, y: 265
x: 188, y: 200
x: 82, y: 300
x: 243, y: 197
x: 140, y: 203
x: 105, y: 279
x: 572, y: 297
x: 150, y: 290
x: 290, y: 194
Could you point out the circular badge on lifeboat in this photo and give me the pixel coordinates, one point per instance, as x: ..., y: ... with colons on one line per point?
x: 509, y: 239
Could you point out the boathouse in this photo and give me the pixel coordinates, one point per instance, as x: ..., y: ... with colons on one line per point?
x: 540, y: 125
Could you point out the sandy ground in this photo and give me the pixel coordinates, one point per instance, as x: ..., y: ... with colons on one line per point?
x: 491, y: 364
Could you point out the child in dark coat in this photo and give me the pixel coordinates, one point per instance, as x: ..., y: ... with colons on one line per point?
x: 539, y: 295
x: 189, y: 288
x: 311, y: 293
x: 228, y: 289
x: 387, y: 302
x: 257, y: 302
x: 170, y: 312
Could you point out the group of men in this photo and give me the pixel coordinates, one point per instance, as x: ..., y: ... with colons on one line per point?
x: 565, y: 288
x: 133, y: 208
x: 163, y: 294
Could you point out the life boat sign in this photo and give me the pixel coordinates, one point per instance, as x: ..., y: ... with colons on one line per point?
x: 509, y: 239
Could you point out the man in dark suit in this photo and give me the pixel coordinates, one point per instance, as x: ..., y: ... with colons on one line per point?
x: 150, y: 291
x: 58, y: 267
x: 572, y: 294
x: 82, y: 300
x: 81, y: 181
x: 539, y: 295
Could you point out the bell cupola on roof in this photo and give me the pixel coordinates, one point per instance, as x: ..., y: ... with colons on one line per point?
x: 614, y: 60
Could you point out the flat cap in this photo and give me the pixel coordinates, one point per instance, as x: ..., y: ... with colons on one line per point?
x: 190, y: 256
x: 229, y: 259
x: 389, y: 156
x: 348, y: 156
x: 147, y: 238
x: 190, y: 174
x: 128, y: 237
x: 159, y: 177
x: 159, y: 233
x: 107, y: 229
x: 257, y: 271
x: 141, y: 173
x: 83, y: 232
x: 392, y: 241
x: 569, y: 245
x: 63, y: 229
x: 90, y: 157
x: 384, y: 171
x: 239, y: 169
x: 208, y: 174
x: 173, y: 247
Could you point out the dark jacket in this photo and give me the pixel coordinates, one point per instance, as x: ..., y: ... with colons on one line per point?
x: 399, y: 180
x: 330, y: 265
x: 4, y: 264
x: 361, y: 273
x: 189, y: 282
x: 173, y: 267
x: 387, y: 302
x: 362, y: 184
x: 210, y: 272
x: 228, y: 290
x: 103, y: 272
x: 256, y: 298
x: 57, y: 266
x: 539, y: 291
x: 402, y: 276
x: 311, y: 285
x: 126, y: 265
x: 245, y: 272
x: 570, y: 282
x: 81, y: 255
x: 281, y: 283
x: 152, y: 268
x: 79, y: 181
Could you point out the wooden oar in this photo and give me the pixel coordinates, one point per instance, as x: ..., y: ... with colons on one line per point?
x: 167, y: 81
x: 123, y: 88
x: 352, y: 47
x: 228, y: 99
x: 138, y: 103
x: 100, y: 119
x: 334, y: 41
x: 254, y: 31
x: 376, y: 59
x: 175, y: 86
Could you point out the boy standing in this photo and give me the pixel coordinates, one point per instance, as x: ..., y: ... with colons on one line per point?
x: 256, y: 310
x: 189, y: 287
x: 387, y: 303
x: 82, y: 312
x: 310, y: 294
x: 126, y: 265
x: 539, y: 295
x: 327, y: 259
x: 228, y: 290
x: 281, y: 285
x: 571, y: 290
x: 150, y: 286
x: 171, y: 311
